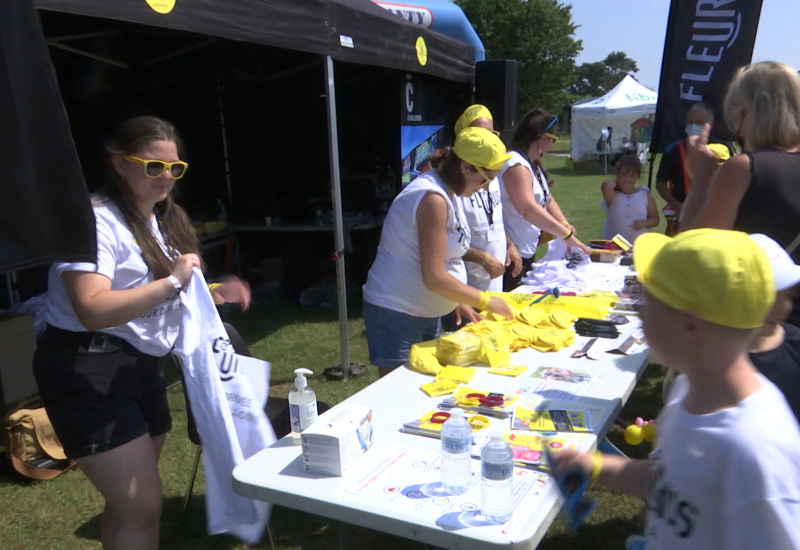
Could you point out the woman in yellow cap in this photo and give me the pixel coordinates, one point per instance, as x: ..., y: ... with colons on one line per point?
x: 491, y: 251
x: 528, y: 206
x: 419, y: 273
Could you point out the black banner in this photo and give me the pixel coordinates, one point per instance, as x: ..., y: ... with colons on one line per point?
x: 707, y: 40
x: 45, y: 214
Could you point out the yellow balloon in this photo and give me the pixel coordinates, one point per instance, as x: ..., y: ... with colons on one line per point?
x: 633, y: 435
x: 649, y: 432
x: 161, y: 6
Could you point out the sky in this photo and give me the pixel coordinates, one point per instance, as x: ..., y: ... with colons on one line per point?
x: 638, y: 28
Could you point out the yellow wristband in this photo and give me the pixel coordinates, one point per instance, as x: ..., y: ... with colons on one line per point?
x: 211, y: 288
x: 597, y: 467
x: 568, y: 235
x: 485, y: 259
x: 483, y: 304
x: 478, y: 422
x: 565, y: 223
x: 468, y: 402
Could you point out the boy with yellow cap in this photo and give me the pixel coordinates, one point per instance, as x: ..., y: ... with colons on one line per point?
x: 725, y: 472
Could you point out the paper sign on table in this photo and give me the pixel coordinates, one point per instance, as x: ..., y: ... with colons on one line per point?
x: 508, y: 370
x: 457, y: 375
x: 437, y: 388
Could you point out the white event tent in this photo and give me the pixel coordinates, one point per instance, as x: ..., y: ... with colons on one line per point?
x: 618, y: 108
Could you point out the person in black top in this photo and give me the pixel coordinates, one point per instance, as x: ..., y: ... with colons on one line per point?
x: 758, y: 191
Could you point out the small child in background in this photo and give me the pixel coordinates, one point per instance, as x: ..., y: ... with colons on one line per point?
x: 775, y: 351
x: 630, y: 210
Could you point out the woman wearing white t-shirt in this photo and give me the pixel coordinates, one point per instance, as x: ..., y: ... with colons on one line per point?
x: 419, y: 274
x: 490, y: 251
x: 110, y: 323
x: 528, y: 206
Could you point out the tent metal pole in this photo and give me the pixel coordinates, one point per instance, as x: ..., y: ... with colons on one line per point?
x: 336, y: 197
x: 224, y: 131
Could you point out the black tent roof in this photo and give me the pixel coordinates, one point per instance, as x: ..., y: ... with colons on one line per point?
x: 355, y: 31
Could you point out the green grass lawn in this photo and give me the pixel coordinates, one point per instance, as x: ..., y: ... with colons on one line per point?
x: 63, y: 514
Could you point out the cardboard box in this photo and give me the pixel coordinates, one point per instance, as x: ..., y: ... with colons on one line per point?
x: 17, y: 345
x: 337, y: 439
x: 606, y: 256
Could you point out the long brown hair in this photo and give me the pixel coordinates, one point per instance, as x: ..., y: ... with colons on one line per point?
x: 127, y: 139
x: 531, y: 128
x: 448, y: 166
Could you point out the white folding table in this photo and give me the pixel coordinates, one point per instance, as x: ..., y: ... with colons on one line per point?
x: 276, y: 474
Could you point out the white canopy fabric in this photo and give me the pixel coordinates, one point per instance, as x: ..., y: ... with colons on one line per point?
x: 618, y: 108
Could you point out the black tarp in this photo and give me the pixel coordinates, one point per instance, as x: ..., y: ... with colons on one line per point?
x: 45, y: 214
x: 705, y: 43
x: 355, y: 31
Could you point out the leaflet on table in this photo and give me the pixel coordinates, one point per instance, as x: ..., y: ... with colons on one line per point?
x: 407, y: 482
x: 508, y: 369
x: 529, y: 448
x: 556, y: 383
x: 546, y: 415
x: 488, y: 403
x: 633, y: 343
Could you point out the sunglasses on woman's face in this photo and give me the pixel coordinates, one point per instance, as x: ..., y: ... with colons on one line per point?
x: 154, y: 168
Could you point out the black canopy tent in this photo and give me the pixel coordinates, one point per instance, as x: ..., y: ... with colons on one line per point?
x: 45, y: 214
x: 354, y: 31
x: 188, y: 63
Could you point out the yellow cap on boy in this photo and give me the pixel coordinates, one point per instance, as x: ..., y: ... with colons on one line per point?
x: 723, y: 276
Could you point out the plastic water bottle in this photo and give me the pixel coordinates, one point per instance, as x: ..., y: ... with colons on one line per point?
x: 456, y: 459
x: 497, y: 480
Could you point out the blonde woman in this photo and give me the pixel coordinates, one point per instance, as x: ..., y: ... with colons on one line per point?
x: 758, y: 191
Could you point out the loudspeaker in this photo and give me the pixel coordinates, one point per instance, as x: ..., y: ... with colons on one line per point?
x: 496, y: 88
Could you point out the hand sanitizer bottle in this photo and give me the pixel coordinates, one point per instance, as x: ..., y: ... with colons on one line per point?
x: 302, y: 404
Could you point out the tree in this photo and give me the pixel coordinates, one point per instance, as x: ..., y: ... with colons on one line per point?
x: 595, y: 79
x: 537, y: 33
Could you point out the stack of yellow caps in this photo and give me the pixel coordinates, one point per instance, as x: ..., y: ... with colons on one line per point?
x: 458, y: 348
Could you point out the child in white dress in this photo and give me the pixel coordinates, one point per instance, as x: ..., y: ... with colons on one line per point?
x: 630, y: 210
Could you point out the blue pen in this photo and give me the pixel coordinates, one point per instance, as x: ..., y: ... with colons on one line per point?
x: 554, y: 291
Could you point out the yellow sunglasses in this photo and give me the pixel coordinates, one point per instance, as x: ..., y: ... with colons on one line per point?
x: 553, y: 137
x: 154, y: 168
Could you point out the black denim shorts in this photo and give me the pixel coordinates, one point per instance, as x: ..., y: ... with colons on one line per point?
x: 99, y: 391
